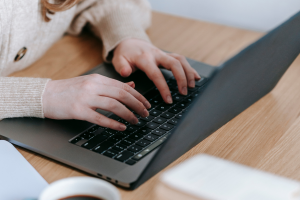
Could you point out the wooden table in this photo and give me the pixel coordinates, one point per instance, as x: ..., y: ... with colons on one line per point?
x: 265, y: 136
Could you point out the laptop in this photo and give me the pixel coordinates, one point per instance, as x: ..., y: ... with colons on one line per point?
x: 128, y: 159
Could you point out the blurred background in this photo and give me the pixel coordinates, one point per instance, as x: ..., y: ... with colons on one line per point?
x: 257, y: 15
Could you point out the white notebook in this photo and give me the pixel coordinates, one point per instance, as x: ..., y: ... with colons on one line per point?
x: 18, y: 179
x: 208, y: 177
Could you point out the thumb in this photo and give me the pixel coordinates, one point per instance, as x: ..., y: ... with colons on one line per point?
x: 122, y: 66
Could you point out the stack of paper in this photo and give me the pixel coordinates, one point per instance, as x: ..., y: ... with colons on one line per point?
x: 18, y: 179
x: 207, y: 177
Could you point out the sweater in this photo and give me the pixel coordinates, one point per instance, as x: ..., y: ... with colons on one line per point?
x: 22, y: 25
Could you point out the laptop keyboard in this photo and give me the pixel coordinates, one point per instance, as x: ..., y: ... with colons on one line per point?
x: 131, y: 145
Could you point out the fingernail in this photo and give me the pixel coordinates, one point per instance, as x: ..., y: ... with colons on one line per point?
x: 169, y: 99
x: 145, y: 113
x: 147, y: 104
x: 122, y: 127
x: 184, y: 90
x: 192, y: 83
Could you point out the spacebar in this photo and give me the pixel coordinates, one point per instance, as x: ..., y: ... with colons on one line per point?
x: 150, y: 148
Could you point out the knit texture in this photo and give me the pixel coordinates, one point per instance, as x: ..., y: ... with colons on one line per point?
x: 21, y: 96
x: 21, y: 25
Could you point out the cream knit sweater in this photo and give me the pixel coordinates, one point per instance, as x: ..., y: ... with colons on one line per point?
x: 21, y: 25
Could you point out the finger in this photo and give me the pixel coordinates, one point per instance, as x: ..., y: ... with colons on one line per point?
x: 131, y: 84
x: 122, y: 66
x: 114, y: 106
x: 123, y: 96
x: 96, y: 118
x: 154, y: 74
x: 191, y: 74
x: 175, y: 66
x: 126, y: 87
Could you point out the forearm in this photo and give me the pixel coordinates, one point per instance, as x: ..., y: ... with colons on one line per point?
x: 114, y: 21
x: 21, y: 97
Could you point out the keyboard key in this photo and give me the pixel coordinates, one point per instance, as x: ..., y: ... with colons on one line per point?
x: 173, y: 121
x: 178, y: 98
x: 93, y: 142
x: 183, y: 104
x: 159, y: 120
x: 134, y: 148
x: 130, y: 162
x: 114, y: 139
x: 127, y: 142
x: 163, y: 107
x: 136, y: 136
x: 178, y: 116
x: 109, y: 132
x: 190, y: 90
x: 166, y: 126
x: 201, y: 82
x: 167, y: 115
x: 74, y: 141
x: 121, y: 134
x: 123, y: 121
x: 156, y: 101
x: 148, y: 119
x: 155, y: 112
x: 195, y: 95
x: 149, y: 149
x: 87, y: 135
x: 125, y: 155
x: 175, y: 110
x: 152, y: 125
x: 131, y: 129
x: 143, y: 143
x: 151, y: 137
x: 159, y: 132
x: 189, y: 99
x: 110, y: 153
x: 141, y: 123
x: 119, y: 147
x: 144, y: 130
x: 93, y: 129
x: 103, y: 147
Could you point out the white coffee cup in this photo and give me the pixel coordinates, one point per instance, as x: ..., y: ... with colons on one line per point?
x: 80, y: 186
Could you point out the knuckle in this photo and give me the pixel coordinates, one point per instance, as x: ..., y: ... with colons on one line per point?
x: 99, y: 119
x: 112, y: 105
x: 146, y: 56
x: 125, y: 87
x: 95, y: 76
x: 122, y: 94
x: 175, y: 63
x: 181, y: 58
x: 87, y: 84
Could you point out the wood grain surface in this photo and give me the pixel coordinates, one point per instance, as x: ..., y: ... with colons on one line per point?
x: 265, y: 136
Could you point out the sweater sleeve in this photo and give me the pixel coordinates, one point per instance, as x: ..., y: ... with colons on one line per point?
x: 21, y: 97
x: 113, y: 20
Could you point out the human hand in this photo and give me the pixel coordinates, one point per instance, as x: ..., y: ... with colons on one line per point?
x: 78, y: 98
x: 133, y: 54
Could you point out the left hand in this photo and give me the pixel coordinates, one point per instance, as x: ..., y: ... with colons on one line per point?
x: 133, y: 54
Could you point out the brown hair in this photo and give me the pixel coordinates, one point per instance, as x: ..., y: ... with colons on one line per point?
x: 60, y: 5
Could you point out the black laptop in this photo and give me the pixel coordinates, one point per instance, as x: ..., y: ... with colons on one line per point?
x: 130, y: 158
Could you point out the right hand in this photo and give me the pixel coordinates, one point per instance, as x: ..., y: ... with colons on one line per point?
x: 78, y: 98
